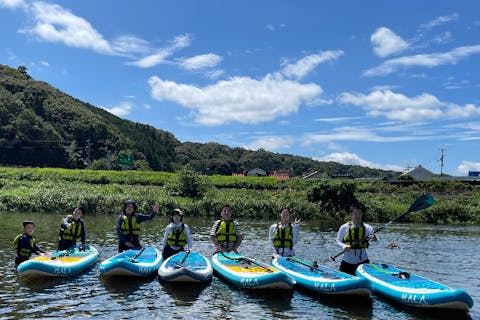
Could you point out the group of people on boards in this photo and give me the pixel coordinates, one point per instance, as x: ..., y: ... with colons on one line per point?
x: 226, y: 234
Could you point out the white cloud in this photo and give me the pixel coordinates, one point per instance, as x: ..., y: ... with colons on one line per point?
x: 122, y: 109
x: 272, y: 27
x: 128, y: 44
x: 385, y: 42
x: 423, y: 60
x: 11, y: 4
x: 214, y: 74
x: 162, y: 54
x: 443, y: 38
x: 203, y: 61
x: 305, y: 65
x: 56, y: 24
x: 420, y: 41
x: 271, y: 143
x: 439, y: 21
x: 240, y: 99
x: 339, y: 119
x: 354, y: 134
x: 353, y: 159
x: 384, y: 87
x: 151, y: 60
x: 44, y: 63
x: 53, y: 23
x: 400, y: 107
x: 465, y: 166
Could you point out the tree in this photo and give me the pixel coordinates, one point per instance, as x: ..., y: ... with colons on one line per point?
x: 189, y: 184
x: 22, y: 70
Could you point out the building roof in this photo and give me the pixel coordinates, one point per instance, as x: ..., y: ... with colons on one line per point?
x: 419, y: 173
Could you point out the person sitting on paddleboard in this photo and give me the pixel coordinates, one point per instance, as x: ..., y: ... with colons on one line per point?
x: 177, y: 235
x: 128, y: 225
x: 71, y: 229
x: 354, y: 237
x: 283, y: 235
x: 25, y: 243
x: 226, y: 234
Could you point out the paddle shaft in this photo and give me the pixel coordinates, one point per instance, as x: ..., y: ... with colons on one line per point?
x: 184, y: 258
x: 303, y: 263
x: 422, y: 202
x: 139, y: 253
x: 247, y: 260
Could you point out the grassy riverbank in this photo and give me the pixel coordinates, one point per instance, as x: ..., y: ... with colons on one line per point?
x: 103, y: 192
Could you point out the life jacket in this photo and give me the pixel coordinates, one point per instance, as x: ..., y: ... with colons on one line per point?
x: 226, y: 232
x: 24, y: 252
x: 177, y: 237
x: 355, y: 235
x: 130, y: 227
x: 283, y: 237
x: 74, y: 232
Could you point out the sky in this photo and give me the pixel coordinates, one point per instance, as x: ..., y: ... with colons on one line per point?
x: 381, y: 84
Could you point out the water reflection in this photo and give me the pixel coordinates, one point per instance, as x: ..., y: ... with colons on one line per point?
x: 125, y: 286
x: 42, y: 283
x: 342, y: 305
x: 183, y: 293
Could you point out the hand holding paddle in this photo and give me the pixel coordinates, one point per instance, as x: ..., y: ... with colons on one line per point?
x: 422, y: 202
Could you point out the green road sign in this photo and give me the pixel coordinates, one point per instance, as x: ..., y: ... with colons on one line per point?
x: 125, y: 159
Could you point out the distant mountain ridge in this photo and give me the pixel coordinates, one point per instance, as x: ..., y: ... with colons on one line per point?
x: 42, y: 126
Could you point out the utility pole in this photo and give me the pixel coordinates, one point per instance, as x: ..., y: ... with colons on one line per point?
x: 442, y: 159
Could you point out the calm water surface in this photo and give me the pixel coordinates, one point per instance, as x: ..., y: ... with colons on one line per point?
x: 447, y: 254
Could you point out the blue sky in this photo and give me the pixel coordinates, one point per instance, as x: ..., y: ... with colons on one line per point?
x: 382, y: 84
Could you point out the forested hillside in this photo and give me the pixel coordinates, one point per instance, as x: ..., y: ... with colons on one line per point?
x: 41, y: 126
x: 213, y: 158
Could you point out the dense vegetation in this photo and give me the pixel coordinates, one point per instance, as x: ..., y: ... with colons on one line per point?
x: 103, y: 192
x: 41, y: 126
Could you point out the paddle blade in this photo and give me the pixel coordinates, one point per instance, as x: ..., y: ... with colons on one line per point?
x: 422, y: 202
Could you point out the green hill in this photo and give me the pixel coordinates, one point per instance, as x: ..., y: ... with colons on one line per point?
x: 42, y: 126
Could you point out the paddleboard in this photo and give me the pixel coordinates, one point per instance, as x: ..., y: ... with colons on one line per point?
x: 411, y: 289
x: 59, y: 264
x: 249, y: 273
x: 140, y: 262
x: 321, y: 279
x: 186, y: 267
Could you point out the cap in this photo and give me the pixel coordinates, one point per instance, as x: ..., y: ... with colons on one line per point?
x: 26, y: 222
x: 176, y: 211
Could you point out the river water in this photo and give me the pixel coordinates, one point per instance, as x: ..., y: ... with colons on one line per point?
x: 447, y: 254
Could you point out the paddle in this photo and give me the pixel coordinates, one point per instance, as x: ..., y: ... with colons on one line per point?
x: 59, y: 254
x: 139, y: 253
x: 63, y: 253
x: 248, y: 260
x: 422, y: 202
x: 313, y: 266
x: 179, y: 265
